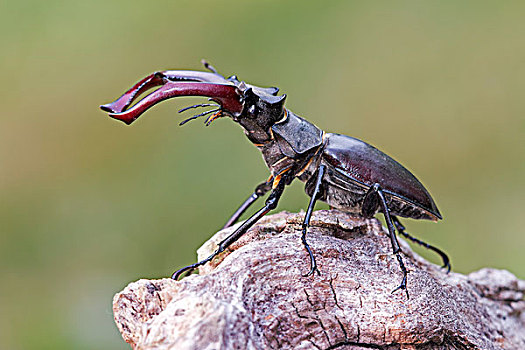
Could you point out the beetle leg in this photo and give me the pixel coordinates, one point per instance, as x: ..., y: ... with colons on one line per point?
x: 315, y: 195
x: 260, y: 191
x: 375, y: 197
x: 271, y: 203
x: 401, y: 229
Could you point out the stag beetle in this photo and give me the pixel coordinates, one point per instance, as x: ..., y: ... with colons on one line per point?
x: 342, y: 171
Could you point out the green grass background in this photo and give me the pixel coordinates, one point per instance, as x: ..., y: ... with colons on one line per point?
x: 88, y: 204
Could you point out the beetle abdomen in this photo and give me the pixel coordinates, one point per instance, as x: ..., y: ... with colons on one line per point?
x: 363, y: 164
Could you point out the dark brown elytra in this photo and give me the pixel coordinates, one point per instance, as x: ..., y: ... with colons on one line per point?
x: 342, y: 171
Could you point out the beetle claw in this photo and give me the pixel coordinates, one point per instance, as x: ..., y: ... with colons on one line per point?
x: 311, y: 272
x: 184, y: 271
x: 447, y: 266
x: 403, y: 286
x: 225, y: 94
x: 175, y: 83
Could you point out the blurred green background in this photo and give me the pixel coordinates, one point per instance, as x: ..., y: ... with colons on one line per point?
x: 88, y: 204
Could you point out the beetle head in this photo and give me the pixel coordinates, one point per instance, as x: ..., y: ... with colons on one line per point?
x: 262, y: 108
x: 255, y: 108
x: 262, y: 103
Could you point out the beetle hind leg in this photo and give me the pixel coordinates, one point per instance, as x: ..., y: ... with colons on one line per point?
x: 373, y: 200
x: 401, y: 229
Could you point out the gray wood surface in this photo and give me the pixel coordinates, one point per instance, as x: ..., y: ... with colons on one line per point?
x: 253, y: 296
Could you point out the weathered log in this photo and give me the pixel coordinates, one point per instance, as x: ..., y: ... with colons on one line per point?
x: 253, y: 296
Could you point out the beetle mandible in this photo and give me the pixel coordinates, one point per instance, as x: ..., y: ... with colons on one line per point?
x: 342, y: 171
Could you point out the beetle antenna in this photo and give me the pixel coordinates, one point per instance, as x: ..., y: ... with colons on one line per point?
x: 208, y: 66
x: 199, y: 115
x: 198, y: 105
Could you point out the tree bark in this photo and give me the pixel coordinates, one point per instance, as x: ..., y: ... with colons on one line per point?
x: 253, y: 296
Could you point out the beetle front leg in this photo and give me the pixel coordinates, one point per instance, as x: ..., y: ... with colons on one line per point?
x: 373, y: 199
x: 260, y: 191
x: 315, y: 195
x: 271, y: 203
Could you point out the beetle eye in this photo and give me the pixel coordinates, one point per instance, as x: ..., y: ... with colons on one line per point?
x: 251, y: 110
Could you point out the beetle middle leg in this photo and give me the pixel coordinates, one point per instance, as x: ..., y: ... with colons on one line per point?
x: 401, y: 229
x: 373, y: 200
x: 271, y: 203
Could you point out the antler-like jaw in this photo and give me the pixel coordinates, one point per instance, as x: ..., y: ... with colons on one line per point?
x: 173, y: 84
